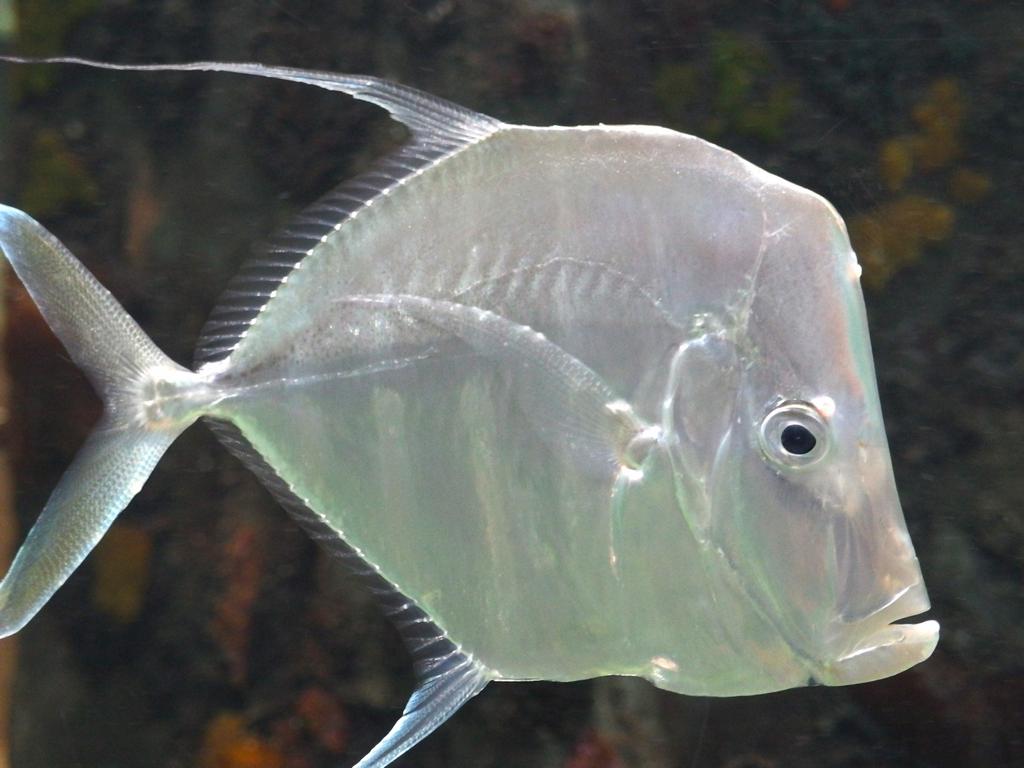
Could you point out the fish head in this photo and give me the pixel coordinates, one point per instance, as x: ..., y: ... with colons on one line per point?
x: 803, y: 507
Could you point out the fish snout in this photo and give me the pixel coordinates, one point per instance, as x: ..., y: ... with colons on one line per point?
x: 878, y: 582
x: 876, y: 567
x: 875, y: 562
x: 877, y: 647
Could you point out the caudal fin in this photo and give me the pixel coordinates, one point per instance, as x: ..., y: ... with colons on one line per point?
x: 127, y: 370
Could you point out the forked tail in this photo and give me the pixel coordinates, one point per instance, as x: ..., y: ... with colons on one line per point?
x: 148, y: 401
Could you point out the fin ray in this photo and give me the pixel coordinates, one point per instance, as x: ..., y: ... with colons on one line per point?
x: 75, y: 305
x: 429, y: 117
x: 111, y: 467
x: 254, y: 285
x: 105, y: 475
x: 249, y: 291
x: 432, y: 703
x: 447, y: 677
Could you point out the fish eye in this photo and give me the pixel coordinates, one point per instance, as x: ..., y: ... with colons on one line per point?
x: 794, y: 434
x: 797, y: 439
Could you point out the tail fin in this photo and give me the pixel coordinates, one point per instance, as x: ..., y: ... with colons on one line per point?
x: 126, y: 369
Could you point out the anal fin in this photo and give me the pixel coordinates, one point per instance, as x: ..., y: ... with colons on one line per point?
x: 435, y: 699
x: 447, y: 677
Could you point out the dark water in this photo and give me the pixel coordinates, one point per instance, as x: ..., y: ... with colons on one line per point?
x: 210, y: 632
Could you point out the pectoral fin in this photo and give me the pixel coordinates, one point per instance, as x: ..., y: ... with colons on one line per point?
x: 569, y: 405
x: 698, y: 411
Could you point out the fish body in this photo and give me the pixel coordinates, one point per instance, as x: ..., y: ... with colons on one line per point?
x: 575, y: 401
x: 505, y: 538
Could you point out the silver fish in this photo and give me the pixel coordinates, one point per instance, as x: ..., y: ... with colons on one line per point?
x: 576, y: 401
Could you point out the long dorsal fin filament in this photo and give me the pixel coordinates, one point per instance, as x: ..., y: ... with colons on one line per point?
x: 425, y: 115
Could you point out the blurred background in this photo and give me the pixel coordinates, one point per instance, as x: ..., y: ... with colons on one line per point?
x: 207, y: 631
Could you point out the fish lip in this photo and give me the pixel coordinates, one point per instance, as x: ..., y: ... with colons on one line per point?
x: 890, y: 647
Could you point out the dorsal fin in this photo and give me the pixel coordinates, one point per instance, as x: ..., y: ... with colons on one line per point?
x: 439, y: 129
x: 446, y: 676
x: 428, y: 117
x: 254, y: 284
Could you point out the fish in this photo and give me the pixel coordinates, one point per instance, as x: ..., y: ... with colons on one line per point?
x: 574, y: 402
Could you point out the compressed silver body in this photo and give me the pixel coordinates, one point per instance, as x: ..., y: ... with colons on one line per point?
x: 619, y: 245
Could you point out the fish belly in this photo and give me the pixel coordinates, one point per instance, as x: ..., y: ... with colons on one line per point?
x: 429, y: 473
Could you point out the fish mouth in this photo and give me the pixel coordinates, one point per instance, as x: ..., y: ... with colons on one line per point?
x: 886, y: 648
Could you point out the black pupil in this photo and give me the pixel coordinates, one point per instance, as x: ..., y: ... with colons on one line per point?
x: 798, y: 440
